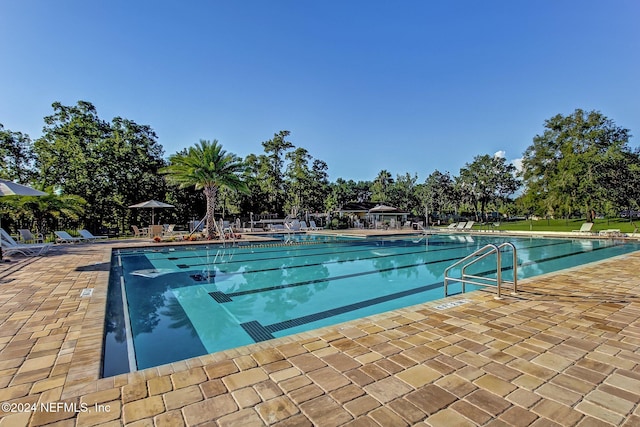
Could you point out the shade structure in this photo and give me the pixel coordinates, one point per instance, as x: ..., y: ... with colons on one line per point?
x: 380, y: 213
x: 10, y: 188
x: 383, y: 208
x: 153, y: 205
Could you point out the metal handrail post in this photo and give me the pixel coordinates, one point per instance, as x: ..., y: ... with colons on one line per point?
x: 478, y: 255
x: 515, y: 264
x: 499, y: 273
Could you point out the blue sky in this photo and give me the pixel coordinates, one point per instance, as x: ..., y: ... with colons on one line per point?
x: 408, y: 86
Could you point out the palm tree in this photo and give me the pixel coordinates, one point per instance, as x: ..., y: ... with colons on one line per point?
x: 45, y: 211
x: 207, y: 167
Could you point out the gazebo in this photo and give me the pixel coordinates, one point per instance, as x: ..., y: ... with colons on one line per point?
x: 384, y: 216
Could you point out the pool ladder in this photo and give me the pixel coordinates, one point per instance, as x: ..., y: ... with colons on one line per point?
x: 225, y: 234
x: 478, y: 255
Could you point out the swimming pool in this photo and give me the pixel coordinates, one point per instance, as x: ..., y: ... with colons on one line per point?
x: 185, y: 301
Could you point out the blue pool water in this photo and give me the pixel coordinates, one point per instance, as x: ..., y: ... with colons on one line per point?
x: 185, y: 301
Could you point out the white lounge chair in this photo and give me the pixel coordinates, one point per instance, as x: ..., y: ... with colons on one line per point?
x: 9, y: 246
x: 64, y: 237
x: 28, y: 237
x: 313, y: 226
x: 293, y: 225
x: 86, y: 234
x: 468, y: 225
x: 585, y: 228
x: 303, y: 226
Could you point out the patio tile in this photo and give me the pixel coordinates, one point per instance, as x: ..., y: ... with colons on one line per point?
x: 143, y: 408
x: 324, y: 411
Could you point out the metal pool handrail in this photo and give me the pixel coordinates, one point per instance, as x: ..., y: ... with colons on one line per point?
x: 476, y: 256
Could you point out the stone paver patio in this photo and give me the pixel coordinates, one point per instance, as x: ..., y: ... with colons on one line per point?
x: 564, y: 352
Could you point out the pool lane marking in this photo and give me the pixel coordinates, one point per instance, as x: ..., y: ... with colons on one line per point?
x: 259, y: 332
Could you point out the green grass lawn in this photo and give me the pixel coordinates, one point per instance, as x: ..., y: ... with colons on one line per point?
x: 565, y: 225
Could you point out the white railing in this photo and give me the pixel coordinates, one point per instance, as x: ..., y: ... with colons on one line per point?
x: 476, y: 256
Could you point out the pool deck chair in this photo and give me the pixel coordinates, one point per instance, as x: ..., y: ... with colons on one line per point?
x: 137, y: 232
x: 64, y: 237
x: 313, y: 226
x: 86, y: 234
x: 460, y: 226
x: 468, y: 225
x: 10, y: 246
x: 585, y: 228
x: 293, y: 225
x: 28, y: 237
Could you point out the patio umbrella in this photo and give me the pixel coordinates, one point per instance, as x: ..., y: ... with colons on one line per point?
x: 152, y: 204
x: 10, y: 188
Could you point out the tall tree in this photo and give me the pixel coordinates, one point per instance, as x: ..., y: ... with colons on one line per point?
x: 381, y: 187
x: 402, y: 193
x: 298, y: 178
x: 136, y: 146
x: 276, y: 149
x: 319, y: 188
x: 307, y: 186
x: 206, y: 167
x: 81, y: 154
x: 256, y: 201
x: 487, y: 179
x: 16, y: 156
x: 564, y: 166
x: 437, y: 193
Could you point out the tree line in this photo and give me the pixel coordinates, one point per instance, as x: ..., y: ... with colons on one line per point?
x: 94, y: 169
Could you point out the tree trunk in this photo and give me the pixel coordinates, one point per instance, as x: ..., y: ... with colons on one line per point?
x: 210, y: 194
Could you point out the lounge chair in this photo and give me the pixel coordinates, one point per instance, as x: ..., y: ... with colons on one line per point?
x: 137, y: 232
x: 64, y: 237
x: 585, y: 228
x: 86, y: 234
x: 313, y: 226
x: 28, y: 237
x: 452, y: 226
x: 468, y: 225
x: 461, y: 226
x: 9, y: 246
x: 303, y: 226
x: 293, y: 225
